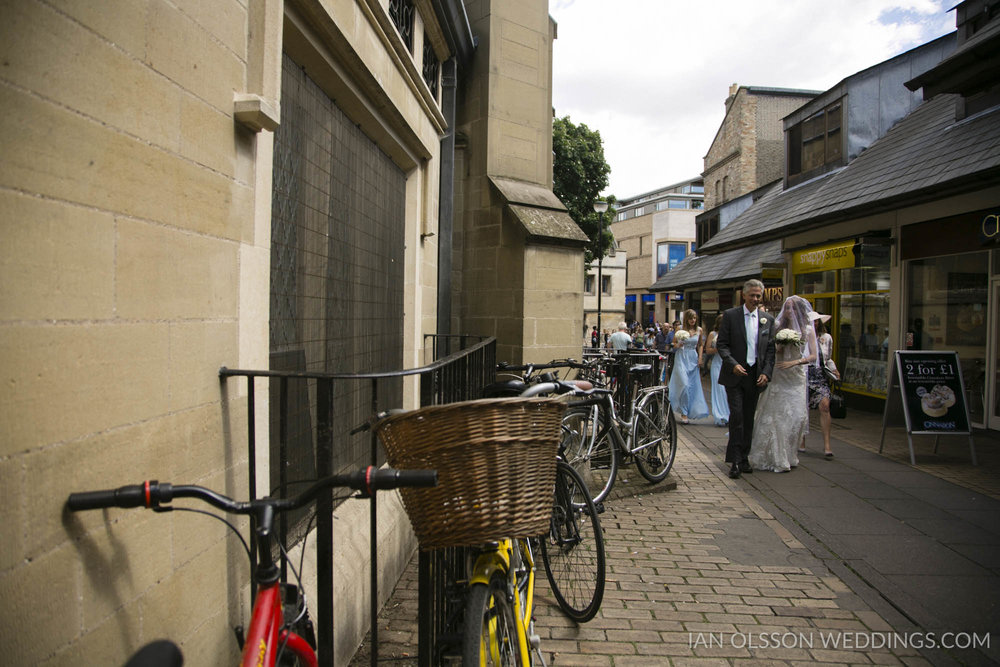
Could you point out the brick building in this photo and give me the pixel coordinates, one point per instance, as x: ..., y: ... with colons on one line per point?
x: 748, y: 149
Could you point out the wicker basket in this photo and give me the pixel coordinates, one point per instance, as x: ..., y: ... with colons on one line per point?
x: 496, y: 463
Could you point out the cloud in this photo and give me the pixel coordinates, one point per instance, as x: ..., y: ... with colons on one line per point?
x: 652, y: 75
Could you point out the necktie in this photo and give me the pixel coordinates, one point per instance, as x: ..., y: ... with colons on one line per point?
x: 751, y: 341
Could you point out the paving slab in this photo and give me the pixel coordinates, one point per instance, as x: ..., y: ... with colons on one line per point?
x: 860, y: 560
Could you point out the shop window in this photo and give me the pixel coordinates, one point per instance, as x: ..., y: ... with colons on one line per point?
x: 662, y: 259
x: 864, y: 279
x: 820, y: 282
x: 676, y: 254
x: 862, y: 341
x: 947, y: 310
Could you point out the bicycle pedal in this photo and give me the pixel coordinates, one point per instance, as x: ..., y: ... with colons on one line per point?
x: 600, y: 508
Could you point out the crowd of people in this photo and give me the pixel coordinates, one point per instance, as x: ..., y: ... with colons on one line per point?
x: 746, y: 352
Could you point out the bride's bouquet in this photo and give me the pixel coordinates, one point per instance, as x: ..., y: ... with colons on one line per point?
x: 682, y: 335
x: 788, y: 337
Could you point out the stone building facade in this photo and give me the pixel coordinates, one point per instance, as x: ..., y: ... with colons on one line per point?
x: 243, y: 183
x: 748, y: 149
x: 656, y: 230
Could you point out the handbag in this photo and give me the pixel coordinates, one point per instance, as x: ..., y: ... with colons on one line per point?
x: 838, y: 407
x: 829, y: 369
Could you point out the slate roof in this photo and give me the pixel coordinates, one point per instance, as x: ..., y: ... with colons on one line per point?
x: 738, y: 264
x: 925, y: 156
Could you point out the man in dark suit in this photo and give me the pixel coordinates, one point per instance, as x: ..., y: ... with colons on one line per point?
x: 746, y: 346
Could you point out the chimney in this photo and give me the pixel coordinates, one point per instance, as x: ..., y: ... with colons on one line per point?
x: 733, y: 89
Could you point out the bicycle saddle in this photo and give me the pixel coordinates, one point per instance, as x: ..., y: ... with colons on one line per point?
x: 502, y: 389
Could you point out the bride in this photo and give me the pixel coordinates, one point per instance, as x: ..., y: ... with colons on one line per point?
x: 782, y: 414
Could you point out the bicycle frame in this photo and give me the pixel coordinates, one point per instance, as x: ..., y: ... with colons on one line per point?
x: 268, y: 633
x: 266, y: 637
x: 507, y: 558
x: 616, y: 424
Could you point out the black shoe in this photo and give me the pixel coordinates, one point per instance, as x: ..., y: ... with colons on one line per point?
x: 734, y: 472
x: 745, y: 467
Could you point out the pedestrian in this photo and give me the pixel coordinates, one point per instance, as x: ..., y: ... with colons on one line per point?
x: 720, y: 407
x: 620, y: 340
x: 782, y: 418
x: 819, y: 385
x: 746, y: 346
x: 595, y: 337
x: 686, y: 393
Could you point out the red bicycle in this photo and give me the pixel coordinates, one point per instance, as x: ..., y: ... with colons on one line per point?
x: 280, y: 628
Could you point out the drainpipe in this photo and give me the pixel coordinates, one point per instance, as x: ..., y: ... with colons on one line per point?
x: 446, y: 199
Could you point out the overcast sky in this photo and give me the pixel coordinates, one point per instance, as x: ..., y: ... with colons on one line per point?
x: 652, y: 76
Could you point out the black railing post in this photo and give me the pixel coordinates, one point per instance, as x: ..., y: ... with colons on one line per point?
x: 449, y: 377
x: 373, y: 537
x: 282, y: 468
x: 324, y: 522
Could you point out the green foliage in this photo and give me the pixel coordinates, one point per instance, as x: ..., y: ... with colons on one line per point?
x: 579, y: 174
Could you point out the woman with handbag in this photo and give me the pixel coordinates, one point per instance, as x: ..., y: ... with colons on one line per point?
x: 820, y: 373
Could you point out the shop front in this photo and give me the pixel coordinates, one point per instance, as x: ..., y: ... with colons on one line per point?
x: 952, y: 300
x: 849, y: 280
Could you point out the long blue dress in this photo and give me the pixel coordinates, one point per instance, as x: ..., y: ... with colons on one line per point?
x: 686, y: 394
x: 720, y: 403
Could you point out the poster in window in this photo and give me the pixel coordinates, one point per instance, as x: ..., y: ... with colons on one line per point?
x: 966, y: 309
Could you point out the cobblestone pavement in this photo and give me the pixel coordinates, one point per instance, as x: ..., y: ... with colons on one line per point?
x: 710, y: 572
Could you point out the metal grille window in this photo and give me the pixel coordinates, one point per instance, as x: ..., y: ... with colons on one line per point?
x: 337, y: 226
x: 401, y: 13
x: 431, y: 67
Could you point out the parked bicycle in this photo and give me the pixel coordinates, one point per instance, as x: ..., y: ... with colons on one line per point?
x: 573, y: 550
x: 499, y: 477
x: 628, y: 419
x: 280, y: 629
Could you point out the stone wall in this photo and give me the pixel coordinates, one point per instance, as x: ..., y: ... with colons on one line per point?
x: 136, y: 190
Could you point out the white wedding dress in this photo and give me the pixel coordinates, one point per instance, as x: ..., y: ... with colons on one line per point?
x: 782, y: 417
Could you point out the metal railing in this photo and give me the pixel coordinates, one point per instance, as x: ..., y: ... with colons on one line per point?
x: 455, y: 373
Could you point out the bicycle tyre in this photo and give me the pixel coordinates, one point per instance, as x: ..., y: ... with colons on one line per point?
x: 654, y: 436
x: 573, y: 550
x: 489, y: 636
x: 588, y: 447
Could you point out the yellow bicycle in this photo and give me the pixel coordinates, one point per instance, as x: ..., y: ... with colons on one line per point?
x: 498, y: 627
x: 496, y: 479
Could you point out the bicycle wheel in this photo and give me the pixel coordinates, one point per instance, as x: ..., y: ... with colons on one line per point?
x: 589, y: 449
x: 654, y: 436
x: 490, y: 633
x: 573, y: 550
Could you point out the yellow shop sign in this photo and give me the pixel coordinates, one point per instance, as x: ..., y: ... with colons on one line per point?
x: 824, y: 258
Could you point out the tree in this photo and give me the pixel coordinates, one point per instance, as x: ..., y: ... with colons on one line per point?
x: 579, y: 174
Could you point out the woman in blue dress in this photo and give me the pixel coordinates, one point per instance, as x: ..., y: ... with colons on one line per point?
x: 720, y: 403
x: 686, y: 394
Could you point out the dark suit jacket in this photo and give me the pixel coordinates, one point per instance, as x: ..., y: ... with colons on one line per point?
x: 732, y: 345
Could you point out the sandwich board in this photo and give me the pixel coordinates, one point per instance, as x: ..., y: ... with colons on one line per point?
x: 933, y: 396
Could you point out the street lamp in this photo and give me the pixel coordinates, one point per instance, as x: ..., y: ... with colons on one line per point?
x: 600, y: 206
